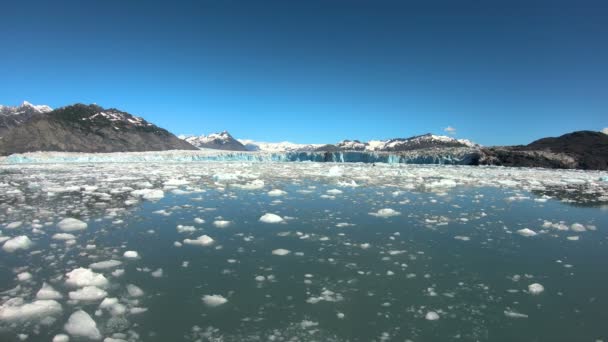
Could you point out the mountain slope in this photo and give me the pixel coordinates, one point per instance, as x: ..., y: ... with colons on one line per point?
x: 216, y: 141
x: 11, y: 117
x: 88, y: 128
x: 581, y: 150
x: 424, y: 141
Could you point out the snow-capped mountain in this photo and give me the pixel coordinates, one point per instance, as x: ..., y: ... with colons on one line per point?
x: 84, y: 128
x: 216, y: 141
x: 284, y: 146
x: 12, y: 116
x: 399, y: 144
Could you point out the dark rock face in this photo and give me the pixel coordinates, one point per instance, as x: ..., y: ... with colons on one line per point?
x: 88, y: 128
x: 577, y: 150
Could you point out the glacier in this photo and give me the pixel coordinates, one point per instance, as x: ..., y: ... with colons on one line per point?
x: 444, y: 156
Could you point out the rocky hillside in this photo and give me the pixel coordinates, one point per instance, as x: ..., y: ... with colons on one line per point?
x: 581, y: 150
x: 425, y: 141
x: 87, y: 128
x: 11, y: 117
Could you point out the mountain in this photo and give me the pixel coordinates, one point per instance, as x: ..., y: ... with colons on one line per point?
x: 580, y: 150
x: 425, y: 141
x: 14, y: 116
x: 216, y: 141
x: 83, y: 128
x: 284, y: 146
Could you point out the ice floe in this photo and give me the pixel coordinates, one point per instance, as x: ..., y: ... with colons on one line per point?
x: 16, y: 243
x: 81, y: 277
x: 88, y: 293
x: 70, y: 224
x: 214, y: 300
x: 526, y: 232
x: 80, y: 324
x: 271, y: 218
x: 203, y: 240
x: 16, y: 310
x: 536, y: 289
x: 386, y: 212
x: 281, y: 252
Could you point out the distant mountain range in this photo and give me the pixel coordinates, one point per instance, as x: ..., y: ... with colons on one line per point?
x: 80, y: 128
x: 92, y: 128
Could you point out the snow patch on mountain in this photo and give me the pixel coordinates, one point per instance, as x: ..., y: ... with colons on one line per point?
x: 283, y: 146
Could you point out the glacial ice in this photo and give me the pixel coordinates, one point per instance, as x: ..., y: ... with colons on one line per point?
x: 386, y: 212
x: 70, y: 224
x: 203, y: 240
x: 16, y: 243
x: 271, y: 218
x: 80, y: 324
x: 88, y: 293
x: 81, y: 277
x: 214, y: 300
x: 281, y: 252
x: 48, y: 292
x: 16, y: 310
x: 535, y: 288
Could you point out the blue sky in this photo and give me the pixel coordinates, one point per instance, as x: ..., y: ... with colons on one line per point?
x: 499, y: 72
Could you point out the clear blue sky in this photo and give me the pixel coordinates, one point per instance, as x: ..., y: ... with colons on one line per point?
x: 499, y: 72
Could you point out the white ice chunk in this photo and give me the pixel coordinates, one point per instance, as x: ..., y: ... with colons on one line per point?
x: 88, y: 293
x: 271, y: 218
x: 203, y: 240
x: 535, y: 288
x: 81, y: 277
x: 221, y: 223
x: 131, y: 255
x: 432, y: 316
x: 19, y: 242
x: 15, y: 310
x: 148, y: 194
x: 276, y: 193
x: 80, y: 324
x: 103, y: 265
x: 70, y: 224
x: 63, y: 236
x: 281, y: 251
x: 526, y: 232
x: 48, y: 292
x: 386, y: 212
x: 214, y: 300
x: 134, y: 291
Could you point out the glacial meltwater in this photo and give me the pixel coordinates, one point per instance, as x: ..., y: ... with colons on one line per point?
x: 301, y: 251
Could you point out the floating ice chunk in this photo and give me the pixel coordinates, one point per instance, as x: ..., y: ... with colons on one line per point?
x: 134, y: 291
x: 535, y: 288
x: 148, y: 194
x: 260, y: 278
x: 15, y: 310
x: 61, y: 338
x: 276, y: 193
x: 199, y: 220
x: 203, y: 240
x: 19, y: 242
x: 63, y: 236
x: 137, y: 310
x: 14, y: 225
x: 573, y: 238
x: 221, y: 223
x: 176, y: 182
x: 432, y: 316
x: 214, y: 300
x: 365, y: 245
x: 526, y: 232
x: 81, y: 277
x: 335, y: 171
x: 70, y: 224
x: 185, y: 229
x: 24, y: 276
x: 48, y: 292
x: 103, y: 265
x: 131, y: 255
x: 281, y: 252
x: 326, y: 295
x: 110, y: 339
x: 80, y: 324
x: 334, y: 192
x: 386, y: 212
x: 158, y: 273
x: 253, y: 185
x: 340, y: 315
x: 514, y: 314
x: 462, y: 238
x: 577, y: 227
x: 271, y: 218
x: 88, y: 293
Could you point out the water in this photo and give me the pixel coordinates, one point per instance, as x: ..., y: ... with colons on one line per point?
x: 451, y: 247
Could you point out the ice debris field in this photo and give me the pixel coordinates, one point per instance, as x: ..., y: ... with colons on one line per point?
x: 267, y: 251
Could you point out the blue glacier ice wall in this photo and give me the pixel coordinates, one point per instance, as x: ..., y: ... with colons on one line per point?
x: 449, y: 157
